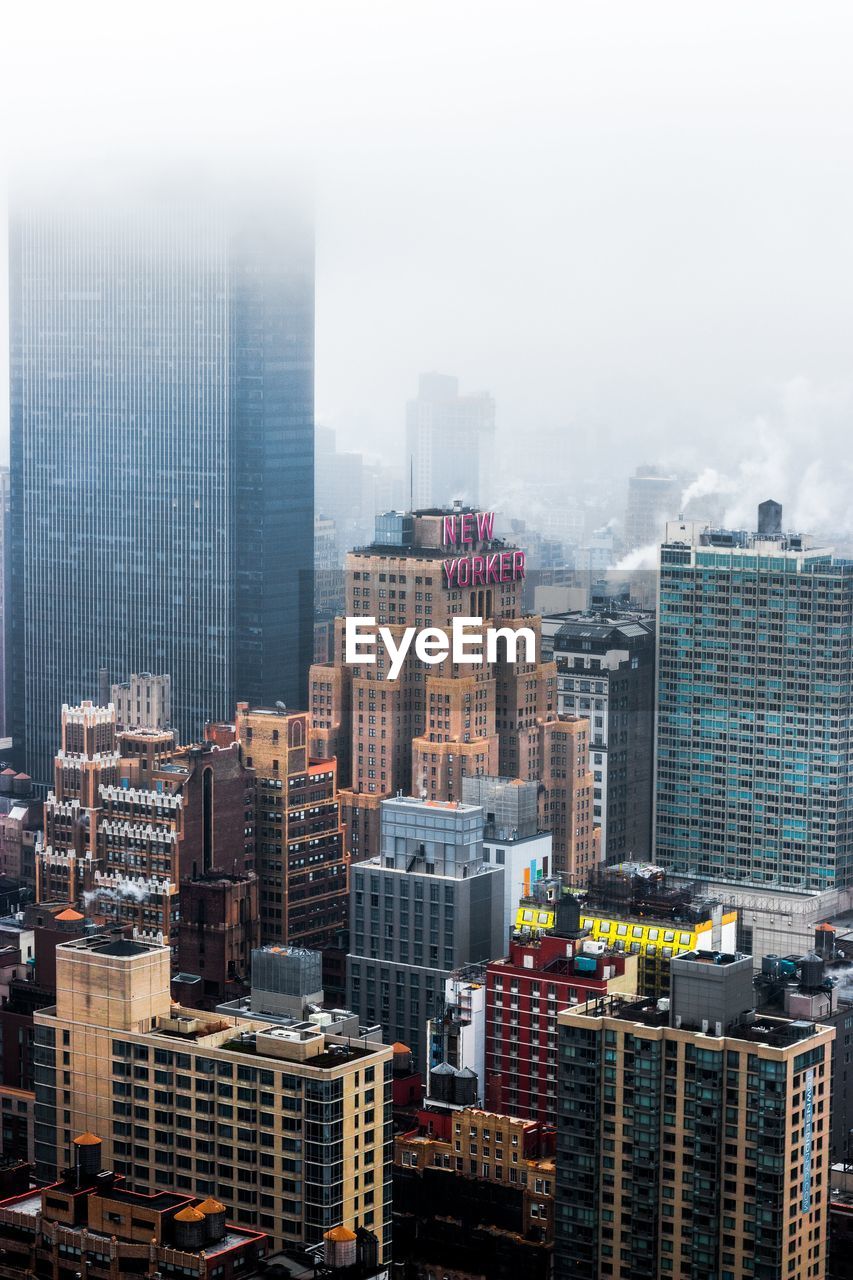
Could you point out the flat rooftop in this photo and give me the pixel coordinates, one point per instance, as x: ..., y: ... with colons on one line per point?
x: 760, y: 1029
x: 332, y: 1056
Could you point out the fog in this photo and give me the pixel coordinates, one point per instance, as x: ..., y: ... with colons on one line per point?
x: 629, y: 222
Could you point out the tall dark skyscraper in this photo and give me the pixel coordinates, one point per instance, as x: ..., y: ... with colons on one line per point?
x: 162, y: 421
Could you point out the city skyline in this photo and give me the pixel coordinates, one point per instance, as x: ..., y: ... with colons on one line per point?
x: 426, y: 592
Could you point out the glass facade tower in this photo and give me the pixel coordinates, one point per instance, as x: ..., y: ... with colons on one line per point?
x: 162, y: 381
x: 755, y: 679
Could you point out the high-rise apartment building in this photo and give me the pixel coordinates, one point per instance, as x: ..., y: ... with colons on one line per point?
x: 654, y: 497
x: 754, y: 695
x: 161, y: 451
x: 287, y: 1126
x: 301, y: 847
x: 428, y: 905
x: 606, y: 675
x: 450, y: 440
x: 693, y: 1135
x: 434, y: 725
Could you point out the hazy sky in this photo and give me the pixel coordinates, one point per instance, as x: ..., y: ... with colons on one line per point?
x: 630, y: 221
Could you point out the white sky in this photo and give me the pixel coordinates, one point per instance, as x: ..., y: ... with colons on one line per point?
x: 629, y: 221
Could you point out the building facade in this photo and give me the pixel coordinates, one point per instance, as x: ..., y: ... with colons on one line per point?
x: 428, y: 905
x: 456, y: 1036
x: 143, y: 702
x: 432, y: 726
x: 693, y: 1136
x: 512, y: 836
x: 625, y: 911
x: 91, y: 1219
x: 653, y: 498
x: 606, y: 675
x: 288, y: 1127
x: 524, y: 992
x: 301, y: 847
x: 137, y: 544
x: 474, y: 1195
x: 122, y: 833
x: 755, y: 684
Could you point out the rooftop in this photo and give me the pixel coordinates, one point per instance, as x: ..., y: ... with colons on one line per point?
x: 333, y: 1055
x: 651, y: 1012
x: 102, y: 944
x: 448, y: 806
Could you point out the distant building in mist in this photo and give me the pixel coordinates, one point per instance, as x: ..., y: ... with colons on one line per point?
x: 600, y: 553
x: 352, y: 491
x: 653, y: 498
x: 162, y: 422
x: 754, y: 698
x: 450, y: 441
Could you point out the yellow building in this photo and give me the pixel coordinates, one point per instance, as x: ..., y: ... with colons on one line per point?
x: 284, y: 1124
x: 654, y: 942
x: 510, y: 1150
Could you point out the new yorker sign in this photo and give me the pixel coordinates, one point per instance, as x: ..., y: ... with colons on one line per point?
x: 476, y: 569
x: 468, y: 640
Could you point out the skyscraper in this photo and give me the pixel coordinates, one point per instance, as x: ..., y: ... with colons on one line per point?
x: 439, y: 724
x: 754, y: 696
x: 450, y: 440
x: 162, y: 357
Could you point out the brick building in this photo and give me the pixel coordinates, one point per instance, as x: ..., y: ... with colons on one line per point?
x: 474, y: 1190
x: 524, y: 993
x: 301, y: 847
x: 424, y: 731
x: 123, y: 831
x: 90, y: 1220
x: 219, y: 926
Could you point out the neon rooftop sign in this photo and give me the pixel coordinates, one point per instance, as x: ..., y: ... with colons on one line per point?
x: 474, y: 569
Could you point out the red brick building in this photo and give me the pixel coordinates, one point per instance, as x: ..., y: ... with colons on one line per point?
x: 524, y: 993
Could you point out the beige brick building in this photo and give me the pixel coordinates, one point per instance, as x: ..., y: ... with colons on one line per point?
x: 302, y: 860
x: 288, y: 1127
x: 422, y: 732
x: 693, y: 1134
